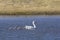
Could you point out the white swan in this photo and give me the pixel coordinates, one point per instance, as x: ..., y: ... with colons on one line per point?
x: 30, y: 27
x: 26, y: 27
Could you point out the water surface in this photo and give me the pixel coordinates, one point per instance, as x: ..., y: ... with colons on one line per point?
x: 48, y: 28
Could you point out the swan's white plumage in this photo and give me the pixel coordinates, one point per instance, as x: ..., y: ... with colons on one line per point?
x: 30, y: 27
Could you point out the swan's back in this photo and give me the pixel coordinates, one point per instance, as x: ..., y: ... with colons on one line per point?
x: 28, y: 27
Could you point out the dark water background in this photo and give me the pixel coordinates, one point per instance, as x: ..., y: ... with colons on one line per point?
x: 48, y: 28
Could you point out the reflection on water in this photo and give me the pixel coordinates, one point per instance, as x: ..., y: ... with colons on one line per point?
x: 47, y: 28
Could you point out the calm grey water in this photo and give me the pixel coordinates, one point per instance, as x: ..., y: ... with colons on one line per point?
x: 48, y: 28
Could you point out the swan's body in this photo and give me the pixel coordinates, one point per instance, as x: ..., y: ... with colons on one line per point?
x: 30, y: 27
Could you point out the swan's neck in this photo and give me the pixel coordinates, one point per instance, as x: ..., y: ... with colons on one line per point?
x: 34, y: 25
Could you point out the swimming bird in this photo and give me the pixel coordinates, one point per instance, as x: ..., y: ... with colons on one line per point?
x: 30, y: 27
x: 26, y: 27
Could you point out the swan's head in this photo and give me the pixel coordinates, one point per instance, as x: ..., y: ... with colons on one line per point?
x: 33, y: 22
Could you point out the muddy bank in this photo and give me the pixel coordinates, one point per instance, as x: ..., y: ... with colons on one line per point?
x: 29, y: 7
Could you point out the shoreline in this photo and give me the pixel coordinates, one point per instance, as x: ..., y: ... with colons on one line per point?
x: 31, y: 13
